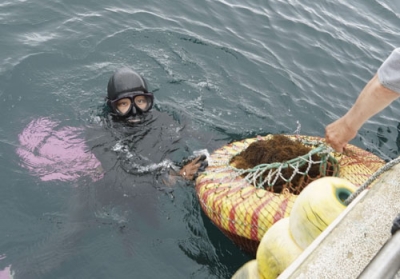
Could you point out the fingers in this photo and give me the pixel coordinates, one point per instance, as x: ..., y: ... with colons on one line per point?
x: 190, y: 171
x: 335, y: 145
x: 339, y: 133
x: 333, y: 139
x: 337, y: 148
x: 201, y: 163
x: 202, y: 166
x: 201, y: 158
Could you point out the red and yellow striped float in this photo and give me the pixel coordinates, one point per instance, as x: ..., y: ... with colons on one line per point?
x: 243, y: 212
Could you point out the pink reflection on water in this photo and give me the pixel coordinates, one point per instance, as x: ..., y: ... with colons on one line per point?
x: 6, y: 272
x: 51, y: 152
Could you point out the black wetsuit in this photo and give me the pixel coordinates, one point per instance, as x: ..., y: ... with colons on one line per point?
x: 137, y: 159
x: 131, y: 197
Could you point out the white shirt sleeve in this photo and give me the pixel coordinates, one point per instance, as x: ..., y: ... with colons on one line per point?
x: 389, y: 71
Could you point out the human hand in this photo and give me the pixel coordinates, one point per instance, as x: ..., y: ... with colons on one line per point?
x: 339, y: 133
x: 191, y: 169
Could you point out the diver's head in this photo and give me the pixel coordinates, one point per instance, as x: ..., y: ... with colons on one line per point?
x: 127, y: 95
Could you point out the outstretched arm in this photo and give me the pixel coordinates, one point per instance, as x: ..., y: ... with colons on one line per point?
x: 379, y: 92
x: 373, y: 98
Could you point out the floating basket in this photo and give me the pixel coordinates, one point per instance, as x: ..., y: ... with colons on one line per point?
x: 239, y: 202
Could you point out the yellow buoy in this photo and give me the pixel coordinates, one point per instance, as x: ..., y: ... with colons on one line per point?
x: 277, y: 250
x: 248, y: 271
x: 317, y: 206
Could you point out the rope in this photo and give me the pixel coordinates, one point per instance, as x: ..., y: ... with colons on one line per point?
x: 396, y: 225
x: 371, y: 179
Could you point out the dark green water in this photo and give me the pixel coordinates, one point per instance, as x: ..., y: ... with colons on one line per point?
x: 236, y: 68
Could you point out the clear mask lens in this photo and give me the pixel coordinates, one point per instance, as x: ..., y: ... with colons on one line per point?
x: 133, y: 103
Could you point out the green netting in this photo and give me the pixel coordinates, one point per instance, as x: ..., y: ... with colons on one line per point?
x: 294, y: 174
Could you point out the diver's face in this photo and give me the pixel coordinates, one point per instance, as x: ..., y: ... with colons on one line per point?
x: 132, y: 106
x: 125, y: 104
